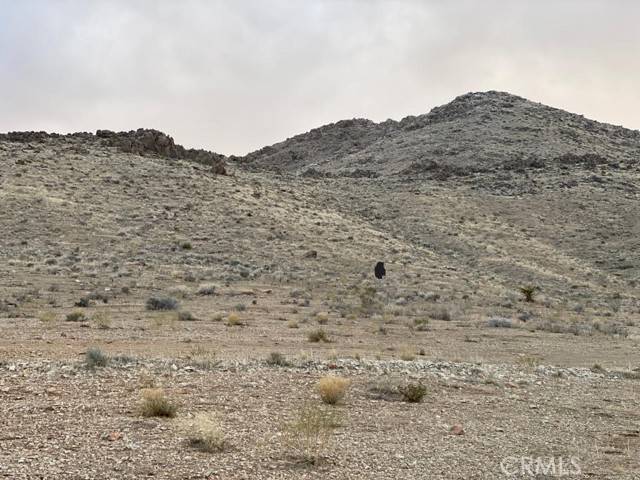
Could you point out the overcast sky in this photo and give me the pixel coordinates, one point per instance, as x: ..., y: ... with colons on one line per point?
x: 235, y: 75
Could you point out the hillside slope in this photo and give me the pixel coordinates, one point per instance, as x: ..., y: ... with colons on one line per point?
x: 476, y: 132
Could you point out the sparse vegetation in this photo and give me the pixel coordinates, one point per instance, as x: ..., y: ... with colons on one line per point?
x: 318, y: 335
x: 156, y: 404
x: 76, y: 316
x: 47, y: 317
x: 499, y: 322
x: 277, y: 359
x: 162, y: 303
x: 233, y: 320
x: 412, y: 392
x: 96, y: 358
x: 333, y: 389
x: 528, y: 292
x: 102, y: 320
x: 205, y: 433
x: 186, y: 316
x: 407, y: 354
x: 207, y: 289
x: 309, y: 434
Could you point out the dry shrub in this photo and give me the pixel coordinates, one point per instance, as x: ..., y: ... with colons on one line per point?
x: 233, y: 320
x: 205, y: 433
x: 156, y: 404
x: 319, y: 335
x: 102, y: 320
x: 407, y: 354
x: 309, y: 434
x: 333, y: 389
x: 47, y: 317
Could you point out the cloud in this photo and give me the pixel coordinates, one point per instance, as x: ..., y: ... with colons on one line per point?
x: 236, y: 75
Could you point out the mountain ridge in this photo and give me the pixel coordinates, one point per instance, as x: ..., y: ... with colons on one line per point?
x: 477, y: 131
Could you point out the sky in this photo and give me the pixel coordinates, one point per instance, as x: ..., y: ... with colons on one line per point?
x: 233, y: 76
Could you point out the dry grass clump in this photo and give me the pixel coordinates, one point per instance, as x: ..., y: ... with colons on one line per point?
x: 407, y: 354
x: 333, y: 389
x: 233, y: 320
x: 76, y: 316
x: 156, y: 404
x: 319, y: 335
x: 205, y: 433
x: 207, y: 289
x: 180, y: 291
x: 309, y: 434
x: 277, y: 359
x: 185, y: 316
x: 102, y: 320
x: 47, y: 317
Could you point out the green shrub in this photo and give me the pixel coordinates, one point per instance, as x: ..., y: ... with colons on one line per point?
x: 412, y: 392
x: 96, y: 358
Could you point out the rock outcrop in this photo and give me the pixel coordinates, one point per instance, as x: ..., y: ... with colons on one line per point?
x: 139, y: 142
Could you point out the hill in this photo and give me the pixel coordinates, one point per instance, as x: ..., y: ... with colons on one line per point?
x: 477, y: 132
x: 231, y: 286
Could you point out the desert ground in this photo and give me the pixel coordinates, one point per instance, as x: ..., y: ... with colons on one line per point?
x: 130, y: 277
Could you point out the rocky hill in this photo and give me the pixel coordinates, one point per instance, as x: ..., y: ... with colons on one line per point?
x: 476, y: 132
x: 140, y: 142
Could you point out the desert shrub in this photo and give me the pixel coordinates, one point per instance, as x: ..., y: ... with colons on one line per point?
x: 207, y: 289
x: 217, y: 317
x: 499, y: 322
x: 384, y: 389
x: 530, y: 361
x: 180, y: 291
x: 233, y: 320
x: 96, y: 358
x: 47, y: 317
x: 277, y: 359
x: 407, y: 354
x: 322, y: 318
x: 441, y: 314
x: 99, y: 296
x: 332, y: 389
x: 205, y: 433
x: 319, y: 335
x: 162, y: 303
x: 186, y: 316
x: 612, y: 329
x: 156, y: 404
x: 421, y: 324
x: 528, y: 292
x: 186, y: 245
x: 76, y: 317
x: 309, y: 434
x: 292, y: 324
x: 369, y: 304
x: 240, y: 307
x: 102, y: 320
x: 412, y: 392
x: 123, y: 360
x: 84, y: 302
